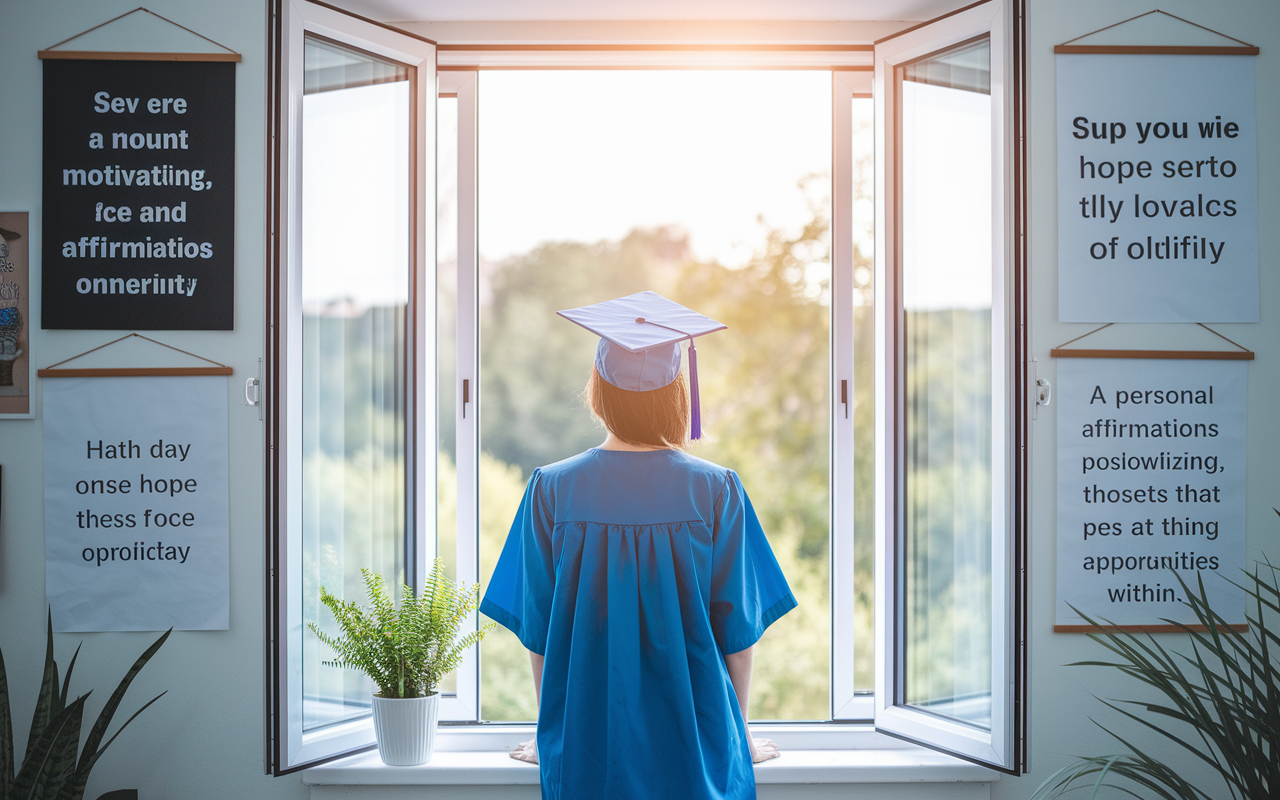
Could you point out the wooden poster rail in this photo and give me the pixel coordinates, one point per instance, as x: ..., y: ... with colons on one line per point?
x: 1241, y: 49
x: 54, y: 371
x: 1243, y: 354
x: 95, y: 55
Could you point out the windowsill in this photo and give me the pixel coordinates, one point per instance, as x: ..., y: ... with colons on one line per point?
x: 863, y: 757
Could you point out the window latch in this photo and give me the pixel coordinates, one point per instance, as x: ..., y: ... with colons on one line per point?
x: 466, y: 396
x: 844, y: 397
x: 1044, y: 392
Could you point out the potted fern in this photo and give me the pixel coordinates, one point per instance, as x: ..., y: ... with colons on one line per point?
x: 406, y: 651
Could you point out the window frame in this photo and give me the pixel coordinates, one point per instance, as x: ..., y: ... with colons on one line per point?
x: 288, y: 747
x: 847, y: 705
x: 1003, y: 747
x: 850, y: 67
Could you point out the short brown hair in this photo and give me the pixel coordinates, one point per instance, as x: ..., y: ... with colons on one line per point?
x: 657, y: 418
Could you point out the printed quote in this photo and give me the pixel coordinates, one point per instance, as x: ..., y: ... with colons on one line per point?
x: 1157, y: 189
x: 1150, y: 480
x: 136, y: 497
x: 139, y: 169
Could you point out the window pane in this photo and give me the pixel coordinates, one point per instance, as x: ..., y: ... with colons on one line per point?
x: 354, y: 292
x: 946, y: 289
x: 864, y: 393
x: 447, y: 343
x: 711, y: 188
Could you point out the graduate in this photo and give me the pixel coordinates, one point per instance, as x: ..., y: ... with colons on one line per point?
x: 639, y: 579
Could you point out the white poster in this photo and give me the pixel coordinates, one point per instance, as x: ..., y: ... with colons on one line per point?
x: 1151, y: 478
x: 135, y: 503
x: 1157, y: 189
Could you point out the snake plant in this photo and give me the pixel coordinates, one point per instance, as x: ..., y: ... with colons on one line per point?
x: 55, y: 767
x: 1221, y: 704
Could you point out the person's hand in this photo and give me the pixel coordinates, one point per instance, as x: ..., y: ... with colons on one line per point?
x: 528, y: 751
x: 763, y: 750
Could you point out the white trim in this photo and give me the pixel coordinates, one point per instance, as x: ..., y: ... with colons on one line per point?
x: 845, y: 703
x: 892, y: 715
x: 653, y: 59
x: 720, y: 32
x: 297, y: 748
x: 465, y: 706
x: 856, y: 755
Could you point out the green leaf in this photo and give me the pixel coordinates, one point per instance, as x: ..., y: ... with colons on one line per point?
x: 405, y: 650
x: 1225, y: 690
x: 6, y: 736
x: 51, y: 757
x: 47, y: 699
x: 66, y: 681
x: 91, y: 753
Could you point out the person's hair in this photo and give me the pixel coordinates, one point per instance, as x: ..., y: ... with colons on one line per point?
x: 657, y: 418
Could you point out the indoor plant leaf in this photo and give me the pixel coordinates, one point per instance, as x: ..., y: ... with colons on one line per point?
x: 91, y: 753
x: 47, y: 698
x: 48, y: 753
x: 6, y: 735
x: 1225, y: 689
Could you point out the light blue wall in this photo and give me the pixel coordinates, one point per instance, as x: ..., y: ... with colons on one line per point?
x: 1062, y: 698
x: 204, y: 739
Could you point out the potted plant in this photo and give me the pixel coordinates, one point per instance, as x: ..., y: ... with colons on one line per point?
x: 1224, y: 694
x: 406, y: 651
x: 51, y: 770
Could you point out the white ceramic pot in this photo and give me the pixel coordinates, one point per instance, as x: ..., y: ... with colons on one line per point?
x: 406, y: 728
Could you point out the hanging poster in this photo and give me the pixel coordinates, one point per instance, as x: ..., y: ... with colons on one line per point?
x: 135, y: 488
x: 139, y: 195
x: 1151, y: 478
x: 15, y: 316
x: 1157, y: 188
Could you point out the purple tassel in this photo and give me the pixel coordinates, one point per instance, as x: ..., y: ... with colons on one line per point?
x: 694, y: 400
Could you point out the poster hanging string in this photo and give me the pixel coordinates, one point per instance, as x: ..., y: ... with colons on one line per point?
x: 1243, y: 354
x: 52, y: 370
x: 52, y: 52
x: 1156, y: 11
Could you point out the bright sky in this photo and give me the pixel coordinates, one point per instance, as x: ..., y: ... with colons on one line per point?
x: 946, y: 197
x: 586, y: 156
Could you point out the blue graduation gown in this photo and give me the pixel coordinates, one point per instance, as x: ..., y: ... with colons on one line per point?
x: 633, y: 573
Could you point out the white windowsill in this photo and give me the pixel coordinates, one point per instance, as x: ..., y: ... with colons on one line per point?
x: 842, y: 755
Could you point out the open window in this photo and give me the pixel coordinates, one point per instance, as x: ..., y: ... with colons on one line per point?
x: 352, y: 304
x: 951, y: 396
x: 398, y: 429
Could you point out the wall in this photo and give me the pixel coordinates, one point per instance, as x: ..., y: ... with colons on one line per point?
x: 204, y: 739
x: 1062, y: 698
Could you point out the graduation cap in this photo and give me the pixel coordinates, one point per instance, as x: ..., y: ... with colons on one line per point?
x: 640, y: 337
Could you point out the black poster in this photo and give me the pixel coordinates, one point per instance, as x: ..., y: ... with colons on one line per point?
x: 139, y: 195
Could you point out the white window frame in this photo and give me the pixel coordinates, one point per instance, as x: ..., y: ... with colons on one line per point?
x: 846, y: 703
x: 288, y: 746
x: 1002, y: 747
x: 852, y: 76
x: 465, y: 705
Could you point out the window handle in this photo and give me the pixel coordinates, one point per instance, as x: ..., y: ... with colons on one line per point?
x: 466, y: 396
x: 844, y: 396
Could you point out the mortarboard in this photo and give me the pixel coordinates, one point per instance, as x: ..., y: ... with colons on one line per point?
x: 639, y: 348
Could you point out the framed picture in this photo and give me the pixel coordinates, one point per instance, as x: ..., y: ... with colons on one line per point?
x: 15, y: 319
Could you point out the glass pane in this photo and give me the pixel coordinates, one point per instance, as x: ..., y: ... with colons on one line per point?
x: 864, y: 397
x: 447, y: 343
x: 946, y: 267
x: 712, y: 188
x: 354, y: 292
